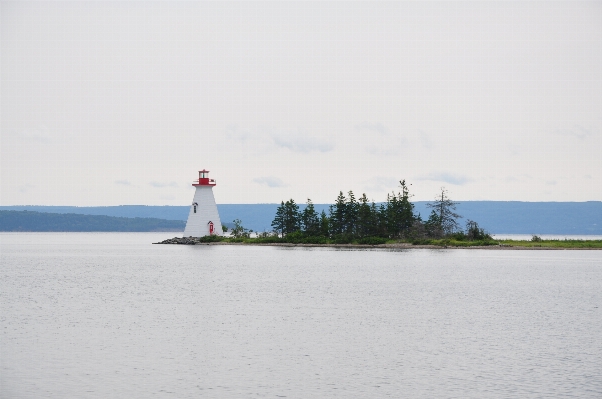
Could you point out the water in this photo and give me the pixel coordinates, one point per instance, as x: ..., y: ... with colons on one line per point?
x: 97, y: 315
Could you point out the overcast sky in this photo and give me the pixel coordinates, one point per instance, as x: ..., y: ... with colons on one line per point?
x: 123, y: 102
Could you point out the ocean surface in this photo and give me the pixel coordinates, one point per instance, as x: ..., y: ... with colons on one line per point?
x: 108, y: 315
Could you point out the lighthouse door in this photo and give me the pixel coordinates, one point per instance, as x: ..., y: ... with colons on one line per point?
x: 210, y: 228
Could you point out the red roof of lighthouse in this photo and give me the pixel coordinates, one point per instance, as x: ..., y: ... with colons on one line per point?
x: 203, y: 180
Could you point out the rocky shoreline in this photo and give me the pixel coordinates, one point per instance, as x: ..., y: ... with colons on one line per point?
x: 196, y: 241
x: 180, y: 241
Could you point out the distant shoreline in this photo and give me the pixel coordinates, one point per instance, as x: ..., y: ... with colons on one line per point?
x: 501, y: 217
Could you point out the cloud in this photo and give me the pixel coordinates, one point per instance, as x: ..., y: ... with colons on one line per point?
x: 518, y: 178
x: 302, y: 143
x: 514, y: 149
x: 157, y: 184
x: 388, y: 149
x: 378, y: 141
x: 380, y: 184
x: 234, y: 133
x: 425, y: 140
x: 447, y: 178
x: 123, y: 182
x: 270, y: 181
x: 40, y: 134
x: 577, y: 131
x: 374, y: 127
x: 25, y: 188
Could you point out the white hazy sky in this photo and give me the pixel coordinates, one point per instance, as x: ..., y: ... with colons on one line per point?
x: 107, y: 103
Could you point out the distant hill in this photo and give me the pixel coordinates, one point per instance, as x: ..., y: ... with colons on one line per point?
x: 497, y: 217
x: 38, y: 221
x: 126, y: 211
x: 514, y: 217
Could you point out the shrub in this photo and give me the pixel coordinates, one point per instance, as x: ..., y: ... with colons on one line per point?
x: 294, y: 238
x: 488, y: 242
x: 315, y: 240
x: 211, y: 238
x: 459, y: 236
x: 342, y: 239
x: 536, y: 238
x: 268, y: 239
x: 475, y: 233
x: 372, y: 241
x: 238, y: 231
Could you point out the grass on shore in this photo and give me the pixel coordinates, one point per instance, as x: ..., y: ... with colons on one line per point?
x: 450, y: 242
x: 445, y: 242
x: 553, y: 243
x: 320, y: 240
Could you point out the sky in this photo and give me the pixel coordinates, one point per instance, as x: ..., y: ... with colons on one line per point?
x: 113, y: 103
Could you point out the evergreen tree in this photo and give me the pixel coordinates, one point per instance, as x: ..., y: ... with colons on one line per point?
x: 389, y: 214
x: 350, y: 218
x: 310, y: 220
x: 433, y: 225
x: 338, y: 213
x: 445, y: 207
x: 287, y: 219
x: 377, y: 229
x: 399, y: 212
x: 324, y: 224
x: 381, y: 217
x: 366, y: 218
x: 292, y: 217
x: 351, y: 209
x: 278, y: 222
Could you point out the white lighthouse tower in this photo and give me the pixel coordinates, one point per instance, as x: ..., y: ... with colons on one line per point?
x: 203, y: 218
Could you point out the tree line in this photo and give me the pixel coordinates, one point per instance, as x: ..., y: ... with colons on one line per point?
x: 359, y: 219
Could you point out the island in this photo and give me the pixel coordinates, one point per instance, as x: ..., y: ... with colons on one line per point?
x: 360, y: 223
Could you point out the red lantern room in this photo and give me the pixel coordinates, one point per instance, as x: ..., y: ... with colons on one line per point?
x: 204, y: 179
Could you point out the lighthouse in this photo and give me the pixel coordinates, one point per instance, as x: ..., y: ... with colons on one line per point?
x: 203, y: 218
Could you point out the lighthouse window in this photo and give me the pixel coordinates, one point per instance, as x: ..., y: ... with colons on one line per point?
x: 194, y: 206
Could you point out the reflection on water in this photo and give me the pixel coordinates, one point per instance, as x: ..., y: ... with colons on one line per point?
x: 97, y: 315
